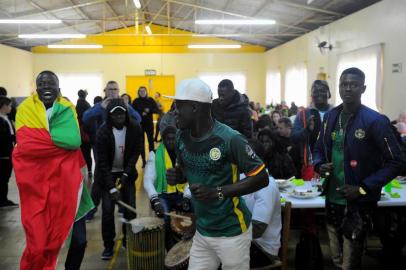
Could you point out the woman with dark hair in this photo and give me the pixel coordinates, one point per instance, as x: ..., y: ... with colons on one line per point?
x: 126, y: 98
x: 277, y: 160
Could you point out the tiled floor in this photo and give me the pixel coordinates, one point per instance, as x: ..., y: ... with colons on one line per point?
x: 12, y: 240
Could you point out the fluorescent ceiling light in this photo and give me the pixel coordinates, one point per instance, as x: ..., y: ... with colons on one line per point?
x: 216, y: 35
x: 51, y: 36
x: 148, y: 29
x: 235, y: 22
x: 21, y: 21
x: 214, y: 46
x: 137, y: 4
x: 94, y: 46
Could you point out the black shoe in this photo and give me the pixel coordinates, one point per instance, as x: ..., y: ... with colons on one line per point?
x: 107, y: 254
x: 8, y: 204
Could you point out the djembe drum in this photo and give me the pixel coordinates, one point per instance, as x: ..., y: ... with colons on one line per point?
x: 181, y: 228
x: 146, y: 244
x: 178, y: 257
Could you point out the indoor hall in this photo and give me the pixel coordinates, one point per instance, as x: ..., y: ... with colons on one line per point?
x: 275, y: 75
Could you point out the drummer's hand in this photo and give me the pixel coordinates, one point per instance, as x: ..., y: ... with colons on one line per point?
x: 326, y: 169
x: 186, y: 204
x: 349, y: 192
x: 114, y: 194
x: 157, y: 206
x: 203, y: 193
x: 173, y: 175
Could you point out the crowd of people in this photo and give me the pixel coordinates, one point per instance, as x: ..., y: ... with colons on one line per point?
x: 216, y: 158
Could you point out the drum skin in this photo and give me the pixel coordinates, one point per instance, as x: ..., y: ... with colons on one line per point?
x: 178, y: 227
x: 178, y: 257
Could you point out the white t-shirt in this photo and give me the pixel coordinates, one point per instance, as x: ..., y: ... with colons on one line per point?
x: 265, y: 207
x: 119, y: 142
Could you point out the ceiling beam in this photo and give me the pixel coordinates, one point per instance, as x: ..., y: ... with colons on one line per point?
x: 310, y: 8
x: 108, y: 5
x: 83, y: 14
x: 20, y: 15
x: 306, y: 18
x: 231, y: 14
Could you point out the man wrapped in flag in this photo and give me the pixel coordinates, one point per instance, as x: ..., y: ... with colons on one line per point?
x: 50, y: 172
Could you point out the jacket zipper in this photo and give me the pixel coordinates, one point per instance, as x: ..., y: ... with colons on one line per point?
x: 324, y: 138
x: 345, y: 136
x: 387, y: 146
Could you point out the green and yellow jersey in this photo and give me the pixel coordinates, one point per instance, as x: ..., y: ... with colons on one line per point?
x: 216, y: 160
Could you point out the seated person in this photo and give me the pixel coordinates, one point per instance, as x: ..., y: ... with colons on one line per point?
x: 265, y: 207
x: 277, y: 160
x: 164, y: 197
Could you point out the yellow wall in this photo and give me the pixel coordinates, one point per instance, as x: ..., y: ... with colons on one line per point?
x: 380, y: 23
x: 184, y: 65
x: 16, y: 71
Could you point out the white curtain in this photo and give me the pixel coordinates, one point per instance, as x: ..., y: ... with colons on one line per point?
x: 71, y: 83
x: 369, y: 60
x: 296, y: 84
x: 273, y: 87
x: 214, y: 78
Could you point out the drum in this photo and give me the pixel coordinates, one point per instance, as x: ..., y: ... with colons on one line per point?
x: 146, y: 244
x: 181, y: 228
x: 178, y: 257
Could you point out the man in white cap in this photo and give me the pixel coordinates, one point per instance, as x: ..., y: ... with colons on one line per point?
x: 210, y: 156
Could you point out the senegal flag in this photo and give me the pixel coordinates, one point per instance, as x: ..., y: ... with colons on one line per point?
x: 50, y: 173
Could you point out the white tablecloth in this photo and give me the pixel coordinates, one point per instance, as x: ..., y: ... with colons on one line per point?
x: 319, y: 202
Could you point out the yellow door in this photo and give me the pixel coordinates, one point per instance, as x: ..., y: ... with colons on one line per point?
x: 165, y: 85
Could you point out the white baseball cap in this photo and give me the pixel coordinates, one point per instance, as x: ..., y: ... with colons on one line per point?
x: 194, y: 90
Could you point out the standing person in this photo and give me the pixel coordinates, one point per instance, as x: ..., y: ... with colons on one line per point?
x: 81, y: 106
x: 231, y: 108
x: 275, y: 116
x: 7, y: 142
x: 307, y: 125
x: 118, y: 146
x: 160, y: 113
x: 164, y: 197
x: 92, y: 119
x: 50, y: 172
x: 209, y: 154
x: 12, y: 113
x: 146, y: 107
x: 358, y: 154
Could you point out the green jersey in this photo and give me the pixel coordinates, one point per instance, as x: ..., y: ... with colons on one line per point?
x: 216, y: 160
x: 337, y: 179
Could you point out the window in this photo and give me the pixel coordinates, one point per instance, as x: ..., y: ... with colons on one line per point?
x: 273, y: 87
x: 214, y: 78
x: 71, y: 83
x: 369, y: 61
x: 296, y: 85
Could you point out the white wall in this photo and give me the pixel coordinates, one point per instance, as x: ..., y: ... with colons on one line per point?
x: 118, y: 66
x: 383, y: 22
x: 16, y: 71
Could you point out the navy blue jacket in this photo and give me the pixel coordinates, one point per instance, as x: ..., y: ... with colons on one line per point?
x: 372, y: 155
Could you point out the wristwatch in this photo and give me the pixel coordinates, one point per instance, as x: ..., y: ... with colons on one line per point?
x: 220, y: 195
x: 362, y: 191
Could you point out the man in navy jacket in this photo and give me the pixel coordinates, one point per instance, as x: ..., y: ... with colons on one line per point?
x: 358, y: 154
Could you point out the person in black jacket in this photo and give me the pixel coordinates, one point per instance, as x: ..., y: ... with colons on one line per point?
x: 118, y: 145
x: 81, y: 106
x: 146, y: 107
x: 7, y: 141
x: 232, y: 109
